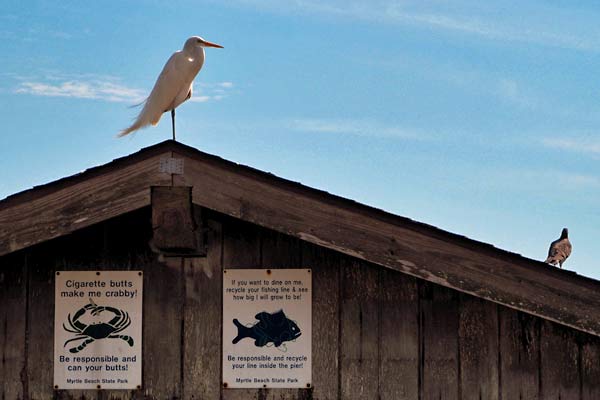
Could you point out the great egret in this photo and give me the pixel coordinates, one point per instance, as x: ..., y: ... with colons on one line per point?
x: 174, y: 84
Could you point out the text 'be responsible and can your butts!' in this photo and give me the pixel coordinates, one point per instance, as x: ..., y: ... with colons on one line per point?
x: 98, y: 330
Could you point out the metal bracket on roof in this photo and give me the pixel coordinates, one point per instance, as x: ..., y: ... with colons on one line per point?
x: 171, y: 165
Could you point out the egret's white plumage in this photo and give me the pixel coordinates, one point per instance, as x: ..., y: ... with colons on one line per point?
x: 174, y: 84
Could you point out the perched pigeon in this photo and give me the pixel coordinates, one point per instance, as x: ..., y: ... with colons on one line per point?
x: 560, y: 249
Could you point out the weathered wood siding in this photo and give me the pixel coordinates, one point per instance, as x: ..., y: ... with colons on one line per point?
x: 377, y: 333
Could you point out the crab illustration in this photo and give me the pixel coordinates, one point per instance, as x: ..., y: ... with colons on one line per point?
x: 95, y: 331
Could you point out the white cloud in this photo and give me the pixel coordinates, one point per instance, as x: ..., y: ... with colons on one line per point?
x: 35, y: 34
x: 511, y: 90
x: 200, y: 99
x: 472, y: 18
x: 105, y: 88
x: 27, y: 33
x: 211, y: 91
x: 579, y: 145
x: 568, y: 180
x: 491, y: 29
x: 578, y: 180
x: 542, y: 181
x: 99, y: 90
x: 354, y: 127
x: 7, y: 35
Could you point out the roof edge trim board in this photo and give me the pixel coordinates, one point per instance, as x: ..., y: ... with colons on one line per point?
x: 111, y: 193
x: 526, y: 285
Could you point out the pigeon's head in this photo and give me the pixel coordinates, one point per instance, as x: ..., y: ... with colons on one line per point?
x: 565, y: 233
x: 198, y: 42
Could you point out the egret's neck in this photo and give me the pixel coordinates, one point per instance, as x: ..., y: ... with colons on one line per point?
x: 196, y: 55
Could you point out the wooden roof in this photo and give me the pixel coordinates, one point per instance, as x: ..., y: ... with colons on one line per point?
x: 370, y: 234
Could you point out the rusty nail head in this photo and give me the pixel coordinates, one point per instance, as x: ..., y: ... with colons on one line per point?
x: 224, y: 384
x: 98, y: 273
x: 268, y: 272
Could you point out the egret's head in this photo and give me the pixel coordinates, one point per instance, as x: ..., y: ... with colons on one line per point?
x: 197, y: 41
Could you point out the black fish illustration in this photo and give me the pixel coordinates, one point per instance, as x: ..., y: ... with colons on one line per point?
x: 276, y: 328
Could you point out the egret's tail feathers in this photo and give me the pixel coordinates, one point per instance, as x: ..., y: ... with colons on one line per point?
x: 138, y: 104
x: 132, y: 128
x: 147, y: 117
x: 154, y: 107
x: 125, y: 132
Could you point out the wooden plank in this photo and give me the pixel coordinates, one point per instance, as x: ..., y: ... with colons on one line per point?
x: 439, y: 343
x: 519, y: 355
x: 359, y: 331
x: 40, y: 356
x: 162, y: 333
x: 13, y: 316
x: 590, y: 367
x: 81, y: 204
x: 241, y: 249
x: 281, y: 251
x: 394, y: 242
x: 202, y: 320
x: 241, y: 245
x: 124, y: 246
x: 399, y: 337
x: 559, y: 363
x: 478, y: 348
x: 326, y: 266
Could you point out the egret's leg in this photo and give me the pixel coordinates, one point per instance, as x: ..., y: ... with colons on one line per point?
x: 173, y: 122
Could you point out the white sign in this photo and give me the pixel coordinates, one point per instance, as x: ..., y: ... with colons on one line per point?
x: 98, y: 330
x: 267, y: 328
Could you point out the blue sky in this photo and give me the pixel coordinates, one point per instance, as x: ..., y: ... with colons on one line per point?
x: 480, y: 118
